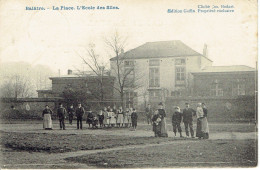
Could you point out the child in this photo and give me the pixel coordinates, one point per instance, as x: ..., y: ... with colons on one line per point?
x: 112, y: 116
x: 176, y: 121
x: 90, y: 118
x: 156, y: 124
x: 134, y: 117
x: 101, y: 118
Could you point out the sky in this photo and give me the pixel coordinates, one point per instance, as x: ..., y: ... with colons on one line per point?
x: 54, y: 38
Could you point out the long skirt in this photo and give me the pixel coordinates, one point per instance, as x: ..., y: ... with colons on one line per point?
x: 112, y: 120
x: 47, y: 122
x: 106, y: 120
x: 198, y: 130
x: 163, y: 128
x: 126, y: 119
x: 205, y: 128
x: 129, y: 119
x: 120, y: 118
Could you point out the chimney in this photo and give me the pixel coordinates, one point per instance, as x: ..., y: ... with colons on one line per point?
x: 205, y: 50
x: 69, y: 72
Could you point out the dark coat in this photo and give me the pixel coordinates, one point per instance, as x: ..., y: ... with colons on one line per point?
x: 176, y: 117
x: 46, y: 111
x: 71, y: 111
x: 205, y: 111
x: 80, y: 111
x: 61, y: 112
x: 134, y: 116
x: 187, y: 114
x: 162, y: 113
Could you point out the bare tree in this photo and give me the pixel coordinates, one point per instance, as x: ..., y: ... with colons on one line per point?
x: 17, y: 86
x: 93, y: 62
x: 124, y: 71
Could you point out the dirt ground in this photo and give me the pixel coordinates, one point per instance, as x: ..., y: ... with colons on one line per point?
x: 24, y: 144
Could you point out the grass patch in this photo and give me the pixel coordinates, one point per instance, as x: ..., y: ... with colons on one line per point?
x: 58, y: 143
x: 199, y: 153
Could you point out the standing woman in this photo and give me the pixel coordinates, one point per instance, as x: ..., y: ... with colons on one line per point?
x: 204, y: 122
x: 106, y: 117
x: 199, y: 114
x: 162, y: 114
x: 126, y: 117
x: 120, y: 117
x: 46, y: 114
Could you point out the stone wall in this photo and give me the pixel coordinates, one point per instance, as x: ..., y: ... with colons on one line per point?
x: 220, y: 109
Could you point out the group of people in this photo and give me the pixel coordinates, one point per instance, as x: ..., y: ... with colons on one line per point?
x: 186, y: 116
x: 61, y: 113
x: 112, y: 117
x: 107, y: 117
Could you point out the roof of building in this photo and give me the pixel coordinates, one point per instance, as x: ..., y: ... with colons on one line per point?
x: 75, y: 76
x: 175, y: 48
x: 221, y: 69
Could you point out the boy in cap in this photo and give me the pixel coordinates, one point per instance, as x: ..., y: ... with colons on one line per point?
x: 176, y: 121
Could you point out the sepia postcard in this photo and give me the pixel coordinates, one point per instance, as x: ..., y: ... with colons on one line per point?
x: 126, y: 84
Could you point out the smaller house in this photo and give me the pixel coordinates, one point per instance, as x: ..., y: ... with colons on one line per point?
x: 229, y: 81
x: 89, y: 84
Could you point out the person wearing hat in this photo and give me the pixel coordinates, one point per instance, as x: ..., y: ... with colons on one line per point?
x: 162, y: 114
x: 61, y: 112
x: 200, y: 115
x: 79, y: 114
x: 188, y: 113
x: 204, y: 122
x: 176, y: 121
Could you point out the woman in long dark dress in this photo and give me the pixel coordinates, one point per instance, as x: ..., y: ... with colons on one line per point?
x: 162, y: 114
x: 204, y: 122
x: 46, y: 114
x: 199, y: 114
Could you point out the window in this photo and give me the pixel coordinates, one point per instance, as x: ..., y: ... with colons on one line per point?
x: 154, y: 62
x: 238, y: 87
x: 154, y: 77
x: 180, y: 73
x: 129, y: 73
x: 216, y: 89
x: 176, y: 93
x: 155, y: 93
x: 180, y: 61
x: 129, y: 63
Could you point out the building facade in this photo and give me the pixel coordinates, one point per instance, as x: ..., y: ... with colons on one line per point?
x: 160, y: 69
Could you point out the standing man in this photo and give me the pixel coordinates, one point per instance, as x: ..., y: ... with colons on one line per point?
x: 79, y: 113
x: 148, y: 112
x: 187, y: 119
x: 61, y: 112
x: 176, y: 121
